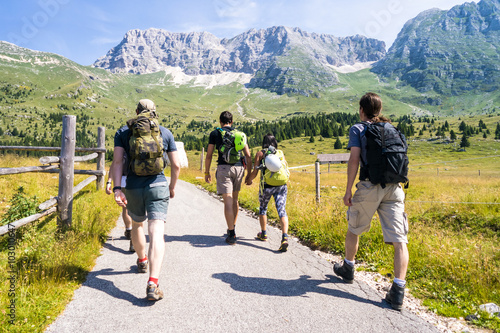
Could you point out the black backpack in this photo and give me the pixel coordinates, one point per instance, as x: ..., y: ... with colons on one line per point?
x: 386, y: 155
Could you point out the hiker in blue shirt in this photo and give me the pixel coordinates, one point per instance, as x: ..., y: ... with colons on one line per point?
x: 386, y: 199
x: 147, y: 196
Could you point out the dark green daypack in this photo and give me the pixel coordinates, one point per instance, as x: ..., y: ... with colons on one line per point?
x: 146, y: 144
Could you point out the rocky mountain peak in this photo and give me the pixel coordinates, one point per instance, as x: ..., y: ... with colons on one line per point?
x: 266, y: 53
x: 448, y: 52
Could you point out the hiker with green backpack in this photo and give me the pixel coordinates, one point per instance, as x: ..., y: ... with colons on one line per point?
x: 273, y: 183
x: 230, y: 144
x: 146, y: 145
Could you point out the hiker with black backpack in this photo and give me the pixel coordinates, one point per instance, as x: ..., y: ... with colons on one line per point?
x: 273, y: 183
x: 381, y: 151
x: 146, y: 145
x: 230, y: 144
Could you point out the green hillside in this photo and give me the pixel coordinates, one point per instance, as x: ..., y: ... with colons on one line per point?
x: 37, y: 88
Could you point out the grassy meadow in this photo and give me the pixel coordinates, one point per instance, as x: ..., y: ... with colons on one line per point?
x: 50, y: 264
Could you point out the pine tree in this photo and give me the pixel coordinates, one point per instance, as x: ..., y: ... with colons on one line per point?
x: 453, y: 136
x: 338, y: 144
x: 464, y: 142
x: 311, y: 139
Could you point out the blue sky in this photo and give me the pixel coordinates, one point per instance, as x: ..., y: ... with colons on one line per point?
x: 84, y: 30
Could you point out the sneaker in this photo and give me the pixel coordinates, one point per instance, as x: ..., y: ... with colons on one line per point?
x: 284, y: 245
x: 128, y: 234
x: 262, y: 237
x: 142, y: 267
x: 153, y: 292
x: 231, y: 240
x: 131, y: 248
x: 395, y: 297
x: 345, y: 271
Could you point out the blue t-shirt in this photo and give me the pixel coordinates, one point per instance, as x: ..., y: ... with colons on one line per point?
x: 122, y: 137
x: 357, y: 139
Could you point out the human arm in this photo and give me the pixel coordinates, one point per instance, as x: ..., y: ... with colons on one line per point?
x: 208, y: 162
x: 248, y: 162
x: 109, y: 181
x: 251, y: 176
x: 116, y: 171
x: 352, y: 171
x: 175, y: 169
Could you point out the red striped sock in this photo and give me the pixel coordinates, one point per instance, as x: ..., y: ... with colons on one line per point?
x: 143, y: 259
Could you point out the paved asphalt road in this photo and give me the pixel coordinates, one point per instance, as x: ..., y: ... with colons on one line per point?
x: 214, y: 287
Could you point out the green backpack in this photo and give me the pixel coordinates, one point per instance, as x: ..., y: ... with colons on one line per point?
x: 232, y: 143
x: 146, y: 145
x: 279, y: 177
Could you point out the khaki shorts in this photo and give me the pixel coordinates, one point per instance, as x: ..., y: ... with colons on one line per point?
x: 388, y: 202
x: 229, y: 178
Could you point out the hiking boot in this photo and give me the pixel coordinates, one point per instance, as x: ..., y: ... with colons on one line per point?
x: 345, y: 271
x: 231, y: 240
x: 395, y: 297
x: 284, y: 245
x: 262, y: 237
x: 142, y: 267
x: 128, y: 234
x: 153, y: 292
x: 131, y: 248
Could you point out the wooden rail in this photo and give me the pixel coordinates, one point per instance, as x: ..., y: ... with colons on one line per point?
x: 64, y: 165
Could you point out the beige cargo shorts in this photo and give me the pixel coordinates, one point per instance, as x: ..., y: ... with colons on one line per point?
x: 388, y: 202
x: 229, y: 178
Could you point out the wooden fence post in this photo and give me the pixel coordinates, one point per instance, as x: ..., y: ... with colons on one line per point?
x: 100, y: 156
x: 317, y: 182
x: 201, y: 158
x: 66, y: 174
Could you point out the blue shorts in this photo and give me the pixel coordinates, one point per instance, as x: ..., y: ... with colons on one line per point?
x: 150, y: 202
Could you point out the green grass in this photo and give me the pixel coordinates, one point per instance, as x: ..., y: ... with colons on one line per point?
x: 49, y: 264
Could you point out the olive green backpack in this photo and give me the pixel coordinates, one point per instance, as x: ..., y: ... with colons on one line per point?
x: 146, y: 145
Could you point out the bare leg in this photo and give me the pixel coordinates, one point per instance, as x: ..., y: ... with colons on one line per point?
x: 401, y: 258
x: 284, y: 224
x: 236, y: 206
x: 139, y: 239
x: 351, y: 245
x: 263, y: 222
x: 127, y: 220
x: 156, y: 230
x: 229, y: 210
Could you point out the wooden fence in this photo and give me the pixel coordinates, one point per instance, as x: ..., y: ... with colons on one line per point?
x: 65, y: 167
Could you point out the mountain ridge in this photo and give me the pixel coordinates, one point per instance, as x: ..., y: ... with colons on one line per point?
x: 266, y: 53
x: 448, y: 52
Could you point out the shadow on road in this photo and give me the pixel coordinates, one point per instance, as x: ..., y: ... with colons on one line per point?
x: 210, y: 241
x: 94, y: 281
x: 289, y: 288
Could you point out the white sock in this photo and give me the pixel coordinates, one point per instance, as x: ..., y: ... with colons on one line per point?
x: 350, y: 263
x: 399, y: 282
x: 128, y: 228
